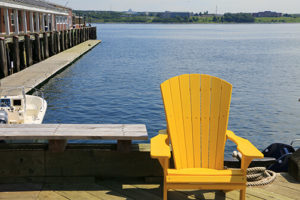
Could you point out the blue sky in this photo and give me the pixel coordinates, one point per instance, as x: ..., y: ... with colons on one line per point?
x: 284, y: 6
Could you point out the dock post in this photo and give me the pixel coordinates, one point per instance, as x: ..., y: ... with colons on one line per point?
x: 37, y: 48
x: 23, y: 61
x: 42, y: 47
x: 83, y: 35
x: 28, y: 49
x: 46, y: 45
x: 3, y: 58
x: 16, y: 53
x: 62, y: 44
x: 70, y: 38
x: 51, y: 44
x: 66, y: 39
x: 87, y: 33
x: 77, y: 36
x: 57, y: 42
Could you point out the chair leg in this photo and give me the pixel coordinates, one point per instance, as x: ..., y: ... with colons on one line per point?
x: 165, y: 192
x: 243, y: 194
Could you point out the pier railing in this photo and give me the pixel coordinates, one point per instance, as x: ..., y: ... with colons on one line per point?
x: 18, y: 52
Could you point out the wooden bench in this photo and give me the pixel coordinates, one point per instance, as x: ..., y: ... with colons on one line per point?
x: 58, y: 134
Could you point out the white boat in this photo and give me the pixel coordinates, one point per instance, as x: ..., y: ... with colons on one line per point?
x: 16, y: 107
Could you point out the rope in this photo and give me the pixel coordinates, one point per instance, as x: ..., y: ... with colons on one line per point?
x: 256, y: 176
x: 259, y: 176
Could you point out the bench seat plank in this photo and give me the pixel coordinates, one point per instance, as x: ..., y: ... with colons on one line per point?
x: 73, y: 131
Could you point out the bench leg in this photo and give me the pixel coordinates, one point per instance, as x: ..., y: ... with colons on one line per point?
x: 124, y: 145
x: 56, y: 146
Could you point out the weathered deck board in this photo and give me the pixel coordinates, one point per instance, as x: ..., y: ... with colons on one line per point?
x: 128, y: 189
x: 74, y: 131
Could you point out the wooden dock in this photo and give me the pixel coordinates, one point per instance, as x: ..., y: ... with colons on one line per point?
x: 36, y: 74
x: 284, y: 188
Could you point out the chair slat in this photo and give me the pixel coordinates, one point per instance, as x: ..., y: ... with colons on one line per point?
x: 195, y: 107
x: 205, y: 115
x: 171, y: 123
x: 177, y: 108
x: 223, y: 122
x: 214, y: 120
x: 184, y: 82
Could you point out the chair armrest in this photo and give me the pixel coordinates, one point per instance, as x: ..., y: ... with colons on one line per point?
x: 160, y: 147
x: 244, y: 146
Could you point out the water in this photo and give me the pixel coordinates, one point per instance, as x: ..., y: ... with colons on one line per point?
x: 118, y: 81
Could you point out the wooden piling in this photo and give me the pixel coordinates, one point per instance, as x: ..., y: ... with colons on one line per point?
x: 62, y: 41
x: 66, y: 39
x: 83, y: 34
x: 57, y: 42
x: 28, y: 49
x: 16, y: 54
x: 42, y: 48
x: 23, y: 61
x: 46, y: 45
x: 51, y: 44
x: 37, y: 48
x: 70, y: 38
x: 3, y: 58
x: 24, y: 52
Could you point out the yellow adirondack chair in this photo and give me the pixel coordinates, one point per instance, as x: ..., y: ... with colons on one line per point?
x: 197, y: 111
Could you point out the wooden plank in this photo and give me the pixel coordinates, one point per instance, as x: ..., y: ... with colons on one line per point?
x: 50, y: 195
x: 129, y: 190
x: 77, y: 195
x: 104, y: 193
x: 205, y: 115
x: 74, y: 131
x: 195, y: 106
x: 214, y: 120
x: 177, y: 107
x: 171, y: 123
x: 223, y: 122
x: 184, y: 81
x: 255, y: 192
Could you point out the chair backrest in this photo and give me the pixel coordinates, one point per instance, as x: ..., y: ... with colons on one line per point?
x: 197, y: 111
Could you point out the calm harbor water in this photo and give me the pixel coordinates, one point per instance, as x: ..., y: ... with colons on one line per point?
x: 118, y: 81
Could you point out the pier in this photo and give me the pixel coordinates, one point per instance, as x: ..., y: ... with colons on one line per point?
x: 40, y: 72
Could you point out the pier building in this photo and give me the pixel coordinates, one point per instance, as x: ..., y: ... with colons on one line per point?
x: 30, y: 16
x: 33, y: 30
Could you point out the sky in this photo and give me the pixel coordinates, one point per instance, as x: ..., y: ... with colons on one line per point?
x: 196, y: 6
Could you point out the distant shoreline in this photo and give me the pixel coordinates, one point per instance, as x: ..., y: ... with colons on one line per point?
x: 196, y: 23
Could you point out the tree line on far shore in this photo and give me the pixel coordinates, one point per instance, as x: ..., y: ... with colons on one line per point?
x: 121, y: 17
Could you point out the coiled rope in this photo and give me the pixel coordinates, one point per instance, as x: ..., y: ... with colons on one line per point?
x: 257, y: 176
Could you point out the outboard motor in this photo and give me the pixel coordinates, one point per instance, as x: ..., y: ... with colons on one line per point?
x: 281, y: 153
x: 3, y: 117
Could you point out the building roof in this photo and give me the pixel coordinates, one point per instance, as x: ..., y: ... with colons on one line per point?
x: 34, y: 4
